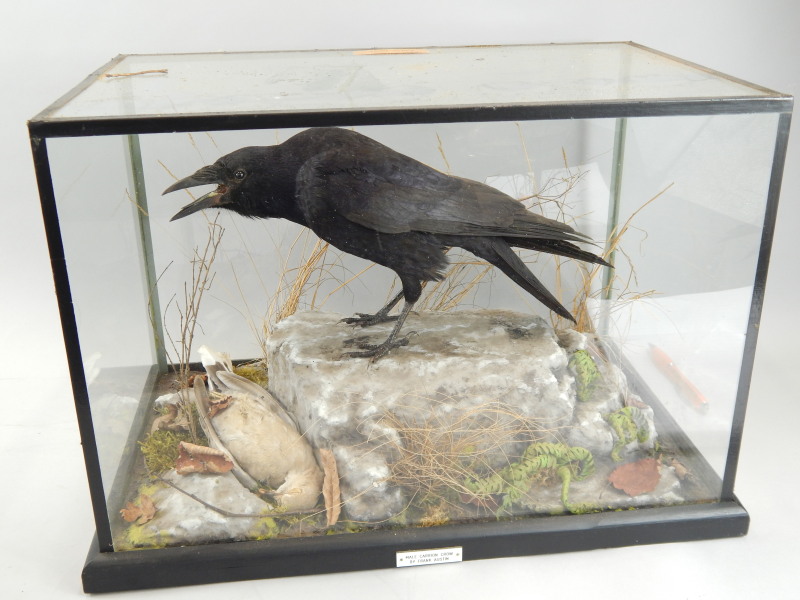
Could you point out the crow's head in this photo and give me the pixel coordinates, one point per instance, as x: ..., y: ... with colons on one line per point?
x: 231, y: 175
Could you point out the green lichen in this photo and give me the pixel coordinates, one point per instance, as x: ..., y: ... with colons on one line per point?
x: 540, y: 461
x: 264, y: 529
x: 142, y: 536
x: 587, y: 375
x: 629, y: 425
x: 150, y: 489
x: 160, y: 449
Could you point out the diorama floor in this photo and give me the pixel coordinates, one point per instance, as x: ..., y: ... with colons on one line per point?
x: 591, y: 495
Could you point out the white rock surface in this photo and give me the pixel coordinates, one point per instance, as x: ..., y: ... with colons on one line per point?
x: 180, y: 520
x: 455, y: 361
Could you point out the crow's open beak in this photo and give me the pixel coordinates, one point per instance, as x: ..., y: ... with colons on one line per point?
x: 205, y: 176
x: 213, y: 199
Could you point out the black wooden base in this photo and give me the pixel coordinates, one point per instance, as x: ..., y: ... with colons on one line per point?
x: 142, y: 569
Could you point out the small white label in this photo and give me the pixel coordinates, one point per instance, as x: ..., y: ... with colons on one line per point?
x: 436, y: 556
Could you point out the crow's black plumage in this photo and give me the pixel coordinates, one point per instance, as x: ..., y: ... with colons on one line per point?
x: 370, y: 201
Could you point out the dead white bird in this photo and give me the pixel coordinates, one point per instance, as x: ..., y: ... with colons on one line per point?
x: 261, y: 438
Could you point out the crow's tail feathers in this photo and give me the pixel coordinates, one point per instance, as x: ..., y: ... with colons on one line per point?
x: 560, y: 247
x: 499, y: 253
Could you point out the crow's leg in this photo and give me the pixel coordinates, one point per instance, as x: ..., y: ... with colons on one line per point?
x: 382, y: 316
x: 376, y: 351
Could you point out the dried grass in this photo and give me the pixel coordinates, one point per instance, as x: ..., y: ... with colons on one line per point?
x: 437, y: 453
x: 588, y: 288
x: 303, y: 284
x: 312, y: 265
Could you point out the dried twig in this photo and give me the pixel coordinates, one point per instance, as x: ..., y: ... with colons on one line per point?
x: 149, y: 71
x: 227, y: 513
x: 378, y: 51
x: 188, y: 311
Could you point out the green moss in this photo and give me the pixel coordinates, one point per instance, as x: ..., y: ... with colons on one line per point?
x: 587, y: 375
x: 162, y: 409
x: 351, y: 527
x: 584, y: 508
x: 255, y: 372
x: 160, y: 449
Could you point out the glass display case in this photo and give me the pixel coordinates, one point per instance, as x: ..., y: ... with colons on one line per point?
x: 570, y: 245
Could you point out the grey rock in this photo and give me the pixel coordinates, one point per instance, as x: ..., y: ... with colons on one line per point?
x: 454, y: 363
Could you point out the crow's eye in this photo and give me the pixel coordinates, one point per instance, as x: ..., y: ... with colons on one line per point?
x: 239, y: 174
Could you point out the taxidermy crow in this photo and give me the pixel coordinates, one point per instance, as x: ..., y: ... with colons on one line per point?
x: 368, y: 200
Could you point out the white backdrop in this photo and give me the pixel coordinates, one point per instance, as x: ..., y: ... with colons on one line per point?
x: 49, y: 46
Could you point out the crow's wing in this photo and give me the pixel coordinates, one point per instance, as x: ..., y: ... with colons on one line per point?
x: 388, y: 192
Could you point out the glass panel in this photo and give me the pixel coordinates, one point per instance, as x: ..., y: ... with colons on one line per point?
x: 102, y: 246
x: 344, y: 79
x: 692, y: 252
x: 527, y: 420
